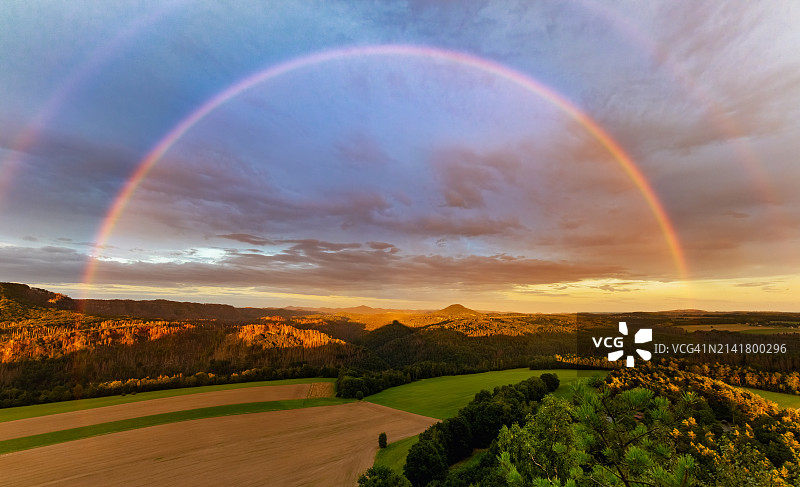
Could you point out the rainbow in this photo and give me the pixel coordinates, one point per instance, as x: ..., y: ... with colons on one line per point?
x: 515, y: 77
x: 77, y: 78
x: 724, y: 124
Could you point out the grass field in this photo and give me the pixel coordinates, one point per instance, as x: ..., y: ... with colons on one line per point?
x: 25, y: 443
x: 442, y: 397
x: 22, y: 412
x: 394, y: 455
x: 470, y: 460
x: 768, y: 331
x: 783, y: 400
x: 740, y: 328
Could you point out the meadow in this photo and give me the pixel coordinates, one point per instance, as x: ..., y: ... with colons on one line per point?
x: 739, y: 328
x: 783, y: 400
x: 442, y: 397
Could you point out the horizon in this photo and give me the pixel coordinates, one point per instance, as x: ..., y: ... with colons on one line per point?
x: 440, y: 307
x: 529, y: 158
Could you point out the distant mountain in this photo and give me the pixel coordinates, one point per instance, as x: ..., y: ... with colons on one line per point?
x: 358, y: 310
x: 18, y: 300
x: 457, y: 310
x: 178, y: 310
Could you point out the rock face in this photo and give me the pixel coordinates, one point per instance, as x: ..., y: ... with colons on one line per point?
x: 33, y: 296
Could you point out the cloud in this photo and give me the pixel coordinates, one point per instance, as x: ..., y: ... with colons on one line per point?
x: 247, y: 238
x: 41, y: 264
x: 362, y: 149
x: 307, y: 265
x: 466, y: 177
x: 383, y: 246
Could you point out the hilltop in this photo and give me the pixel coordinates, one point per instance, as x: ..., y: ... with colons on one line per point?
x: 33, y: 296
x: 457, y: 310
x: 179, y: 310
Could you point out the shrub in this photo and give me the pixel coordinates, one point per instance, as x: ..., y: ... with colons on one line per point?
x: 360, y: 395
x: 551, y: 381
x: 381, y: 477
x: 382, y: 440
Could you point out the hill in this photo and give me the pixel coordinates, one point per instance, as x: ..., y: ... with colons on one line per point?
x: 15, y: 298
x: 162, y: 309
x: 456, y: 310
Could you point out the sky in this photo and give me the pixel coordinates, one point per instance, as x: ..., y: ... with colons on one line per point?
x: 552, y: 156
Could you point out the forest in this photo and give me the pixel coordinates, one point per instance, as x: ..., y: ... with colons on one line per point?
x: 55, y: 348
x: 642, y: 426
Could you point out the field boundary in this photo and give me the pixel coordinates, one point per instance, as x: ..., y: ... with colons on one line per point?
x: 44, y: 439
x: 37, y: 410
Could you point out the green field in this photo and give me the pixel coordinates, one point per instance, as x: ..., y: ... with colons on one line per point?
x: 739, y: 328
x: 442, y: 397
x: 471, y: 460
x: 768, y: 331
x: 22, y: 412
x: 783, y: 400
x: 62, y: 436
x: 394, y: 455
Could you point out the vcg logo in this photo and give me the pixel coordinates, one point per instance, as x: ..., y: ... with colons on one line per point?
x: 644, y: 335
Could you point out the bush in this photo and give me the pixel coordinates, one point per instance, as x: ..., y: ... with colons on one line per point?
x: 551, y: 381
x: 382, y: 440
x: 360, y: 395
x: 596, y: 381
x: 381, y: 477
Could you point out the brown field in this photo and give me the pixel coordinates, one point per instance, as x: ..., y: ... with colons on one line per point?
x: 322, y: 446
x: 74, y: 419
x: 321, y: 389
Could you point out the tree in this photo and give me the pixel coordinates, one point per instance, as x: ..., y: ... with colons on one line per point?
x: 382, y: 440
x: 551, y: 381
x: 629, y: 440
x: 458, y: 438
x: 426, y: 461
x: 547, y: 446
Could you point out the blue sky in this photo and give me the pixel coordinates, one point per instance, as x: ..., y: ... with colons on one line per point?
x: 407, y: 181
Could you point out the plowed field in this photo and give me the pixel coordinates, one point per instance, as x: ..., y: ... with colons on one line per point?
x: 73, y: 419
x: 321, y: 446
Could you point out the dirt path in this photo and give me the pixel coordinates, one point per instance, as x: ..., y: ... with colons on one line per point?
x: 322, y: 446
x: 74, y: 419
